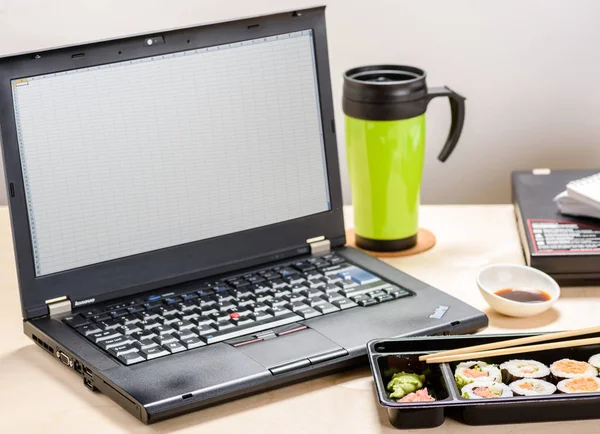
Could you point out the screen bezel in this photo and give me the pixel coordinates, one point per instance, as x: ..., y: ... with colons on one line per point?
x: 159, y: 268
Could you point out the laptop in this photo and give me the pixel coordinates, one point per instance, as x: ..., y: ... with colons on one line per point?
x: 176, y: 210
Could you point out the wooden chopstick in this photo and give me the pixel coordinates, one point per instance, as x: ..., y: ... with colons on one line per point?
x: 514, y: 350
x: 514, y: 342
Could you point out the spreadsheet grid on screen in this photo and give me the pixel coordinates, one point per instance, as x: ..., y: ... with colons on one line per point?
x: 136, y: 156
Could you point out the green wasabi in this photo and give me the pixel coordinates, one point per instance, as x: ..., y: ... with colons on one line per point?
x: 403, y: 383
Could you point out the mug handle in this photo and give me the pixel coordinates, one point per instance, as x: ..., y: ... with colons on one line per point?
x: 457, y: 108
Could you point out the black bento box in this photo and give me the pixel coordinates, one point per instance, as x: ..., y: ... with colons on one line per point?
x: 402, y: 354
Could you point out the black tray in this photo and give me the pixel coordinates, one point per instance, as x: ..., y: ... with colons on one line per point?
x: 403, y: 354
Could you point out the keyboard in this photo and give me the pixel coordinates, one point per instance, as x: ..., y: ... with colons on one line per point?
x: 238, y: 310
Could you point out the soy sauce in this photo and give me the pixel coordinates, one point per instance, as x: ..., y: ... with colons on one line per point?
x: 524, y: 295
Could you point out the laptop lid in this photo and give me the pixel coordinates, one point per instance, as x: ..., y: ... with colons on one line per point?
x: 151, y: 160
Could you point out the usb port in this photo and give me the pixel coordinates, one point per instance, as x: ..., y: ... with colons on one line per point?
x: 87, y: 372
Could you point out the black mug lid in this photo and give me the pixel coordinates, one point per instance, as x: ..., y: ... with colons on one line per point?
x: 385, y: 92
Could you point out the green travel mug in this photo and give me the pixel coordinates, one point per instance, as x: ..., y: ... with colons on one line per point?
x: 384, y: 109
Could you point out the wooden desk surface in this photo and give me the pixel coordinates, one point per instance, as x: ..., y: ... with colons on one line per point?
x: 37, y: 394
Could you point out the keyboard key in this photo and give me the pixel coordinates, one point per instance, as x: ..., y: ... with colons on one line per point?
x: 274, y: 302
x: 144, y: 344
x: 378, y: 293
x: 184, y: 334
x: 148, y: 324
x: 116, y: 306
x: 335, y: 259
x: 298, y: 288
x: 76, y: 321
x: 168, y: 320
x: 260, y: 316
x: 357, y: 275
x: 220, y: 288
x: 334, y: 296
x: 131, y: 358
x: 186, y: 306
x: 254, y: 328
x: 360, y: 297
x: 151, y: 304
x: 295, y: 297
x: 143, y: 335
x: 331, y: 280
x: 261, y: 288
x: 182, y: 325
x: 224, y: 297
x: 204, y: 303
x: 320, y: 263
x: 315, y: 301
x: 164, y: 339
x: 259, y: 307
x: 90, y: 329
x: 220, y: 316
x: 148, y: 315
x: 164, y: 310
x: 115, y: 342
x: 238, y: 283
x: 205, y: 292
x: 278, y: 311
x: 129, y: 329
x: 174, y: 347
x: 135, y: 309
x: 244, y: 293
x: 304, y: 266
x: 396, y: 292
x: 312, y: 275
x: 309, y: 312
x: 118, y: 313
x: 384, y: 298
x: 154, y: 352
x: 347, y: 284
x: 91, y: 313
x: 189, y: 296
x: 101, y: 317
x: 129, y: 319
x: 363, y: 289
x: 237, y: 319
x: 344, y: 303
x: 367, y: 302
x: 326, y: 308
x: 297, y: 305
x: 294, y: 280
x: 122, y: 349
x: 223, y: 325
x: 187, y: 316
x: 163, y: 330
x: 272, y: 275
x: 256, y: 279
x: 278, y: 283
x: 192, y: 342
x: 330, y: 288
x: 204, y: 329
x: 202, y: 320
x: 103, y: 336
x: 286, y: 271
x: 334, y: 269
x: 249, y: 301
x: 108, y: 324
x: 171, y: 300
x: 153, y: 298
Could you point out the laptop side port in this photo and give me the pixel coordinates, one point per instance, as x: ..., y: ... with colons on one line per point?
x: 77, y: 366
x: 89, y: 384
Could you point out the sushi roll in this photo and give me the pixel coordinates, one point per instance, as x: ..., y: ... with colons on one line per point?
x: 486, y: 389
x: 579, y: 385
x: 568, y: 368
x: 595, y: 361
x: 468, y: 372
x: 518, y: 369
x: 532, y: 387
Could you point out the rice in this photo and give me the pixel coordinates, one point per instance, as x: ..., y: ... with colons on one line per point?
x: 518, y: 369
x: 532, y: 387
x: 486, y: 389
x: 468, y: 372
x: 568, y: 368
x: 579, y: 385
x: 595, y: 361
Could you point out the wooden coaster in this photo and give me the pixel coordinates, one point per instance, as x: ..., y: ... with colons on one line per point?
x: 425, y: 241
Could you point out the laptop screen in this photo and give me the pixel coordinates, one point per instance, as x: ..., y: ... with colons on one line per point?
x: 136, y: 156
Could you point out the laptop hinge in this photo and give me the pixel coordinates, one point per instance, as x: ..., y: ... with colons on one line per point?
x: 319, y: 245
x: 58, y: 305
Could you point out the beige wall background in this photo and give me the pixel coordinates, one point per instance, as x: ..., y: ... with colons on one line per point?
x: 529, y: 70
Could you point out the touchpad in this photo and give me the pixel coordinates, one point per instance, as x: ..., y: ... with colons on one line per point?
x: 293, y: 351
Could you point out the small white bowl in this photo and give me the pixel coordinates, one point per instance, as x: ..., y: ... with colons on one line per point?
x: 500, y: 276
